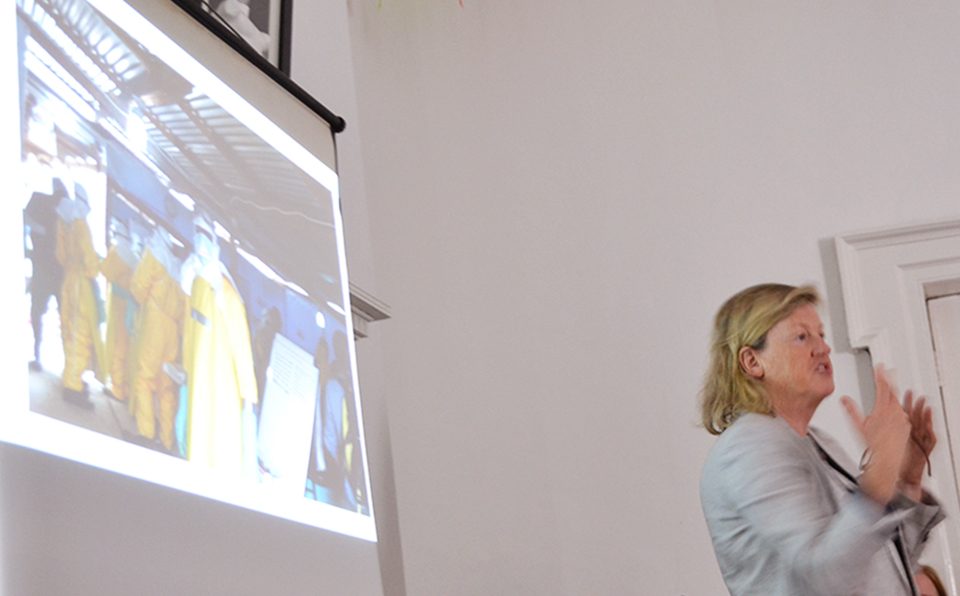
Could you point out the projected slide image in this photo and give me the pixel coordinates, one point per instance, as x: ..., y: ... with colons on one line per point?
x: 184, y: 286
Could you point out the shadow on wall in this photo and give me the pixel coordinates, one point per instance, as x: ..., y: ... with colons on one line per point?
x: 836, y: 310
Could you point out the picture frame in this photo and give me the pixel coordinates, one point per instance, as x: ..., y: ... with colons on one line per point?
x: 262, y: 27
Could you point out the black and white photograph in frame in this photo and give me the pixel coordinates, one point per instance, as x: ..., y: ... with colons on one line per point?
x: 262, y: 24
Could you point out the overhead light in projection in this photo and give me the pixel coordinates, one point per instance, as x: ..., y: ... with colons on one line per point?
x: 136, y: 129
x: 267, y: 271
x: 221, y: 231
x: 183, y: 198
x: 336, y: 308
x: 93, y: 72
x: 120, y: 136
x: 321, y: 320
x: 41, y: 130
x: 58, y: 82
x: 123, y: 64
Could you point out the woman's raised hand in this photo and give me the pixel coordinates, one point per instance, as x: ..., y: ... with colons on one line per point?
x: 886, y: 431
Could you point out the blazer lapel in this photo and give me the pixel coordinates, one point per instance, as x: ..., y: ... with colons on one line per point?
x: 895, y: 546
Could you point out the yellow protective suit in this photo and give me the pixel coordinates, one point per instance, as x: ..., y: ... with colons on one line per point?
x: 118, y: 268
x: 162, y: 304
x: 79, y: 316
x: 218, y: 361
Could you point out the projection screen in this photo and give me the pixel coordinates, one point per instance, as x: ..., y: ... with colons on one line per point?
x: 178, y: 290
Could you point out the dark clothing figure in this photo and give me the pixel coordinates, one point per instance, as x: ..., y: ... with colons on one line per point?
x: 336, y: 429
x: 40, y: 215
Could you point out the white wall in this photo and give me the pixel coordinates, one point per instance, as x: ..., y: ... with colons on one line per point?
x: 322, y: 64
x: 560, y: 194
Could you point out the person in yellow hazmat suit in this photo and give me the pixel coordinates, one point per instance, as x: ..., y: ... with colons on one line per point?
x: 156, y: 287
x: 117, y: 267
x: 218, y: 362
x: 79, y: 298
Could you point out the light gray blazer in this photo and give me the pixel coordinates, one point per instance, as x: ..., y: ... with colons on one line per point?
x: 784, y: 522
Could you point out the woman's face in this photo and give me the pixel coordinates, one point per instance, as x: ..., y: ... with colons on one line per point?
x: 796, y: 357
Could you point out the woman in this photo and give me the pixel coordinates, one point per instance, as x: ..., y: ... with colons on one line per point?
x: 787, y: 511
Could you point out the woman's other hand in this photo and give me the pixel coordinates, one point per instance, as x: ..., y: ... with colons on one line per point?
x: 921, y: 444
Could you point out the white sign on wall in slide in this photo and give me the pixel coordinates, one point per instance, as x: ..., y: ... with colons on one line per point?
x: 286, y: 419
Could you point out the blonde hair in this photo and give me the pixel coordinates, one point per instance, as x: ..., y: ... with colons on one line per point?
x: 744, y: 320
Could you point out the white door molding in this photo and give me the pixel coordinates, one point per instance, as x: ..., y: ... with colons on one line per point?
x: 887, y: 276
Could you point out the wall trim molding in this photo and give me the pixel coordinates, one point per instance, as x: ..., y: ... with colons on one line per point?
x: 366, y: 308
x: 887, y: 276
